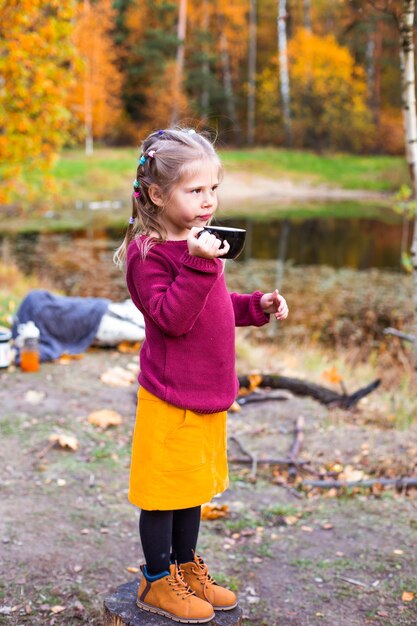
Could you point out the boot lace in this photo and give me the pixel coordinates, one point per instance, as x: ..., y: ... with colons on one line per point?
x: 177, y: 582
x: 202, y: 572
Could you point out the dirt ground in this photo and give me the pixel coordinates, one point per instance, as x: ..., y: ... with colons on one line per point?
x: 248, y: 187
x: 68, y: 534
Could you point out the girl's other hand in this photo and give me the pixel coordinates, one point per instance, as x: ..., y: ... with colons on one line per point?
x: 206, y: 245
x: 276, y: 304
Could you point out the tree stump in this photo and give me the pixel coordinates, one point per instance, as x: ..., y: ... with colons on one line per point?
x: 120, y: 610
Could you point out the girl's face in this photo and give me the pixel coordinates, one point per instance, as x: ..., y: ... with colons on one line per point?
x: 193, y: 201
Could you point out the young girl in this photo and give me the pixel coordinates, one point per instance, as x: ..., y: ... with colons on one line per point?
x: 187, y: 379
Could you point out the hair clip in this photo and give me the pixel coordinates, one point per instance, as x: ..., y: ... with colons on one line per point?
x: 151, y: 154
x: 131, y: 220
x: 136, y: 184
x: 142, y: 160
x: 191, y: 131
x: 137, y: 194
x: 160, y: 132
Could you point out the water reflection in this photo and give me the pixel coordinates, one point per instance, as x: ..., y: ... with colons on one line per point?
x: 355, y: 243
x: 81, y: 262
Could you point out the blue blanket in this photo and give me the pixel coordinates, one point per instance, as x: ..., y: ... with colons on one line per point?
x: 67, y: 325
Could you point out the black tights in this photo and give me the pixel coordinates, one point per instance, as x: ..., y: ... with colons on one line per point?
x: 167, y: 535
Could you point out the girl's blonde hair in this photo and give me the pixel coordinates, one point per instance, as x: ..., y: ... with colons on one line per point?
x: 168, y: 156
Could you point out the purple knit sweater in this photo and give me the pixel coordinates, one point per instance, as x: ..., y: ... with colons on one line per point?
x: 188, y: 356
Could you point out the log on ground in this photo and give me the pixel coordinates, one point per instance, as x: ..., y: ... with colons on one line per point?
x: 299, y: 387
x: 120, y: 610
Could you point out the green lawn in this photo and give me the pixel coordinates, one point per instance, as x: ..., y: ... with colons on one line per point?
x: 377, y: 173
x: 107, y: 172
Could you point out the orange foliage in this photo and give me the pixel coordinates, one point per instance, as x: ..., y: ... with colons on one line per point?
x: 34, y: 59
x: 99, y: 81
x: 391, y: 132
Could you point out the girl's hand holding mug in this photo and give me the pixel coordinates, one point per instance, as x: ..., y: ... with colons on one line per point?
x: 207, y: 246
x: 276, y: 304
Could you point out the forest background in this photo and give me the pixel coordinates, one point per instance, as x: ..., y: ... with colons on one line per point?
x: 109, y: 72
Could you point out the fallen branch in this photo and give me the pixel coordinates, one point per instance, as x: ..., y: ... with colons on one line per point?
x: 399, y: 334
x: 352, y: 581
x: 268, y: 461
x: 322, y: 394
x: 298, y: 439
x: 251, y: 457
x: 255, y: 396
x: 400, y: 483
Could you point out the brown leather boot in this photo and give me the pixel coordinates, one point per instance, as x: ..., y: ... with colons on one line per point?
x: 197, y: 577
x: 171, y: 596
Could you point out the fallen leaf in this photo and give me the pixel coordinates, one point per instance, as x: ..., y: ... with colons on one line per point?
x: 133, y: 367
x: 254, y: 381
x: 57, y: 608
x: 408, y: 596
x: 332, y: 375
x: 77, y: 568
x: 290, y: 520
x: 327, y: 526
x: 307, y: 529
x: 118, y: 377
x: 132, y: 570
x: 213, y: 511
x: 61, y: 482
x: 398, y: 551
x: 335, y: 467
x: 351, y: 474
x: 34, y: 397
x: 64, y: 359
x: 105, y: 418
x: 64, y: 441
x: 235, y: 408
x: 5, y: 610
x: 126, y: 347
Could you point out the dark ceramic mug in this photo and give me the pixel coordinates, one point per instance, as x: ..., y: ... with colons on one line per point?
x: 235, y: 237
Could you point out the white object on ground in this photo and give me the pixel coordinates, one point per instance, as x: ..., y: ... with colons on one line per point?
x: 122, y: 322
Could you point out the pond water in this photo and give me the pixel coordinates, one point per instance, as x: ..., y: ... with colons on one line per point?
x: 337, y: 242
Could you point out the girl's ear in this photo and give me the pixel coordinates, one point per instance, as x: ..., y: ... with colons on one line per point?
x: 155, y: 195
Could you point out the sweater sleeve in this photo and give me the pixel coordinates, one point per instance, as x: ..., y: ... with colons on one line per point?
x: 247, y: 308
x: 173, y: 303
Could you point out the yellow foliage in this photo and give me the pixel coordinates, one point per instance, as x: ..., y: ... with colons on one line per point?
x: 35, y: 54
x: 328, y: 94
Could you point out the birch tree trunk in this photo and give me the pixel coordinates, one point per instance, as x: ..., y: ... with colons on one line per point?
x: 283, y: 70
x: 179, y: 66
x: 205, y: 69
x: 252, y: 73
x: 227, y: 80
x: 307, y: 15
x: 410, y: 124
x: 88, y: 98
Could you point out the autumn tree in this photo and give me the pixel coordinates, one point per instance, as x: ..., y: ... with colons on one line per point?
x: 96, y: 99
x: 36, y: 53
x: 329, y: 95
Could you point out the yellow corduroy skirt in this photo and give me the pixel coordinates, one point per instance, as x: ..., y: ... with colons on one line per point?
x: 179, y: 457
